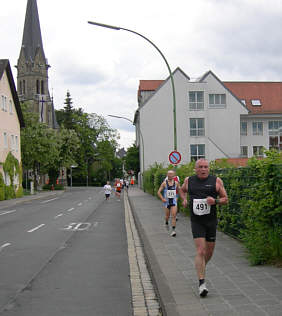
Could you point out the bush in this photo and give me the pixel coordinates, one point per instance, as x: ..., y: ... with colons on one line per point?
x: 19, y: 192
x: 254, y: 211
x: 2, y: 191
x: 9, y: 192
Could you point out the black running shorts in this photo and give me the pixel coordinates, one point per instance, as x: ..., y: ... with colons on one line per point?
x: 205, y: 230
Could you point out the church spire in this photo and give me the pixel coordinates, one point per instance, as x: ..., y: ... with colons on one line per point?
x: 32, y: 40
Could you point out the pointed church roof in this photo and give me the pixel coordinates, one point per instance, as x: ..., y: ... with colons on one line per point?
x: 32, y: 39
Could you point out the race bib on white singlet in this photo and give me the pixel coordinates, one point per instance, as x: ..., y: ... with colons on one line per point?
x: 201, y: 207
x: 171, y: 194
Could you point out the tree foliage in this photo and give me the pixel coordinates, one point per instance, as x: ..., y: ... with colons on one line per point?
x: 132, y: 159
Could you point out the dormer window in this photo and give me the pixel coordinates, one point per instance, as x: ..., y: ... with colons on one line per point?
x: 255, y: 102
x: 243, y: 101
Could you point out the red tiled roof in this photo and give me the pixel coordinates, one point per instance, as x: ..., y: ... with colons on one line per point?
x: 149, y: 85
x: 269, y: 94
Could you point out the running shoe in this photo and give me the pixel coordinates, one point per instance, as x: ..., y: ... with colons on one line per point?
x: 203, y: 291
x: 173, y: 233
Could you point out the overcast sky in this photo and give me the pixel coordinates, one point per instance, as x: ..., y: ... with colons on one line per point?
x: 236, y: 39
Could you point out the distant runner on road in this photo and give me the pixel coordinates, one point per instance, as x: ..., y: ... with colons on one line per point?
x: 107, y: 190
x: 169, y: 198
x: 203, y: 190
x: 118, y: 187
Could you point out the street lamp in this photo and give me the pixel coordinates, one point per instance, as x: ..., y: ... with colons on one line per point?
x: 139, y: 130
x: 170, y: 73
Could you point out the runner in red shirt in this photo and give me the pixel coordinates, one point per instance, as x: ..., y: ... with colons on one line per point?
x: 118, y: 187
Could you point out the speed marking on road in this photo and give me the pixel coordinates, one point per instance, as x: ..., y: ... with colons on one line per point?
x: 80, y: 226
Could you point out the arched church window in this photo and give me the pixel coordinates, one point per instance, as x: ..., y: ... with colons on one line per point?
x: 37, y: 87
x: 23, y: 86
x: 42, y: 87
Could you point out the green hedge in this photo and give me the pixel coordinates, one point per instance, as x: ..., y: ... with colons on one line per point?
x: 254, y: 211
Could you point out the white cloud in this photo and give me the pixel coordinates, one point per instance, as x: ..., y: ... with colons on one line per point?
x: 237, y: 40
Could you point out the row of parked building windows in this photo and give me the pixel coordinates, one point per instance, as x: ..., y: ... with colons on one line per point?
x: 196, y: 100
x: 4, y: 104
x: 197, y: 151
x: 197, y: 127
x: 40, y: 87
x: 14, y: 142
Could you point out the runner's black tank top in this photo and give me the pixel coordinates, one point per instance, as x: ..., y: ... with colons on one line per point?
x: 200, y: 189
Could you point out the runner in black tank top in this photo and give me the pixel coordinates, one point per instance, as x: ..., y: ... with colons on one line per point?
x: 203, y: 190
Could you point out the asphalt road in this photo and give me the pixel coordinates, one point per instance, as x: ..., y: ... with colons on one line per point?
x: 65, y: 255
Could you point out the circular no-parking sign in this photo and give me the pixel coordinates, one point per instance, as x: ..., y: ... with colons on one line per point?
x: 174, y: 157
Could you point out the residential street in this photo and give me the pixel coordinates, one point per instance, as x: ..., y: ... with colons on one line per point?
x: 65, y: 254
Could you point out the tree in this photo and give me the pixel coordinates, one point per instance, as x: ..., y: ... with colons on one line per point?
x: 97, y: 143
x: 45, y: 150
x: 132, y: 159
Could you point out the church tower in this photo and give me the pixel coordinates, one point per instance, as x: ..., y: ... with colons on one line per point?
x: 32, y: 79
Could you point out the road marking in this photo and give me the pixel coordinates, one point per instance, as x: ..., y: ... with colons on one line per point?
x: 79, y: 204
x: 49, y: 200
x: 79, y: 226
x: 71, y: 209
x: 8, y: 212
x: 90, y: 198
x: 34, y: 229
x: 59, y: 215
x: 4, y: 246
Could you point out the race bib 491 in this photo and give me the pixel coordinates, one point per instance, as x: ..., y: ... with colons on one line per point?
x: 171, y: 194
x: 201, y: 207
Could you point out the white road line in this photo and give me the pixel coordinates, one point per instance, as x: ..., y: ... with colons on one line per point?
x: 59, y: 215
x: 49, y: 200
x: 8, y: 212
x: 4, y: 246
x: 34, y: 229
x: 71, y: 209
x: 90, y: 198
x: 79, y: 204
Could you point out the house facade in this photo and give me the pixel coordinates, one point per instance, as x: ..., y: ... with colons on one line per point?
x: 214, y: 119
x: 11, y: 118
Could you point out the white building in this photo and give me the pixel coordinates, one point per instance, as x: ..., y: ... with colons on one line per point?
x: 215, y: 119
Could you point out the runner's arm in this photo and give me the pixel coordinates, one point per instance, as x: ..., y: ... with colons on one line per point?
x: 183, y: 192
x: 160, y: 193
x: 223, y: 199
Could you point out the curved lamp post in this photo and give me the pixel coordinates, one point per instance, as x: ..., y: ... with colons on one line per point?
x: 170, y: 73
x: 139, y: 130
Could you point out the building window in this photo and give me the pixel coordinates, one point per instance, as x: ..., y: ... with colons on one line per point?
x: 243, y: 101
x: 197, y: 127
x: 275, y: 135
x: 11, y: 107
x: 37, y: 87
x: 197, y: 151
x: 255, y: 102
x: 2, y: 102
x: 243, y: 128
x: 258, y: 151
x: 42, y: 87
x: 257, y: 128
x: 217, y: 100
x: 17, y: 143
x: 12, y: 142
x: 23, y: 86
x: 5, y: 140
x: 196, y: 100
x: 244, y: 151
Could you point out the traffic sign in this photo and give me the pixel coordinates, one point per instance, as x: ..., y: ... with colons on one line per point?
x: 174, y: 157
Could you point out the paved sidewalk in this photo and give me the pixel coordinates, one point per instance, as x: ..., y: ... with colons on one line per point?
x: 235, y: 287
